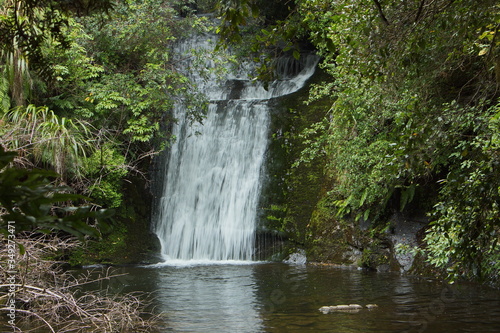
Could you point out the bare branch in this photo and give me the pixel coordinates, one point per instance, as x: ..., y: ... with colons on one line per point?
x: 46, y: 294
x: 31, y: 314
x: 419, y: 12
x: 381, y: 12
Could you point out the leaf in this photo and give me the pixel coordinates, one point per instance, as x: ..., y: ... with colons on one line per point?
x: 330, y: 45
x: 363, y: 198
x: 29, y: 198
x: 366, y: 215
x: 255, y: 10
x: 22, y: 249
x: 407, y: 196
x: 483, y: 51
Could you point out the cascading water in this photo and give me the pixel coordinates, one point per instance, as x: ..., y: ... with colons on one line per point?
x: 209, y: 201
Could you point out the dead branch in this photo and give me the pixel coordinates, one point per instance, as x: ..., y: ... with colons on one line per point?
x: 31, y: 314
x: 51, y: 297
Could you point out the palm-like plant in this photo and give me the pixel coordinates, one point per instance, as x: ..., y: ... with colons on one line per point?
x: 15, y: 79
x: 57, y: 141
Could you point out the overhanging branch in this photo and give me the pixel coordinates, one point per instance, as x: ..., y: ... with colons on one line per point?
x: 381, y: 12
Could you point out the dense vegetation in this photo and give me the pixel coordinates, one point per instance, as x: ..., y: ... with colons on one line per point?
x: 85, y: 89
x: 413, y: 119
x: 416, y: 115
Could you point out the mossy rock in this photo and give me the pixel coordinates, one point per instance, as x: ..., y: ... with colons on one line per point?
x: 130, y: 239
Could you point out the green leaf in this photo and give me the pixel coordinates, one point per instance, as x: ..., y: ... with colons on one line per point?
x: 366, y: 214
x: 22, y: 249
x: 363, y: 198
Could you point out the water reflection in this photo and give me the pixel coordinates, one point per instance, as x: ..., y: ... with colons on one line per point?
x: 291, y: 297
x: 209, y: 298
x: 284, y: 298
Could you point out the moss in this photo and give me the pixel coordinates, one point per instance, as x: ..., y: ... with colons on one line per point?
x: 142, y: 245
x: 291, y: 192
x: 130, y: 239
x: 374, y: 257
x: 104, y: 251
x: 328, y: 240
x: 296, y: 200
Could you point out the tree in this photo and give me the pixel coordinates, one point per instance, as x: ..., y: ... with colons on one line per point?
x: 25, y: 27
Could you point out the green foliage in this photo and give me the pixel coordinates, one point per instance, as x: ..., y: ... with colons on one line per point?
x: 262, y: 31
x: 386, y: 131
x: 73, y: 71
x: 104, y: 250
x: 31, y: 201
x: 293, y: 189
x: 26, y: 25
x: 405, y: 249
x: 414, y: 86
x: 313, y: 139
x: 118, y: 74
x: 99, y: 91
x: 108, y: 168
x: 16, y: 78
x: 110, y: 73
x: 234, y: 14
x: 56, y: 141
x: 465, y: 231
x: 140, y: 31
x: 4, y: 94
x: 276, y: 217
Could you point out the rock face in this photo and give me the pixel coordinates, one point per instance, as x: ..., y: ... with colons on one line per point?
x: 404, y: 235
x: 353, y: 308
x: 297, y: 258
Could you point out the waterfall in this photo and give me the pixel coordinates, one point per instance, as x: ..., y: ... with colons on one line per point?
x: 208, y: 205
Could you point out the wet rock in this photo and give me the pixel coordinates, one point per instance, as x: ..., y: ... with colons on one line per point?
x: 325, y: 309
x: 404, y: 233
x: 352, y: 308
x: 383, y: 268
x: 297, y: 258
x: 341, y: 308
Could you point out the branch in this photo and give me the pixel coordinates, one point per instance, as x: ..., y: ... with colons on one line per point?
x: 107, y: 277
x: 449, y: 4
x: 42, y: 290
x: 381, y: 12
x: 493, y: 40
x: 419, y: 12
x: 30, y: 313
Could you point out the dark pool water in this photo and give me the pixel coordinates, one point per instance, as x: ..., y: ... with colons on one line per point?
x: 273, y: 297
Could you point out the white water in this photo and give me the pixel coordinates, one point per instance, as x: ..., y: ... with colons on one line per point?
x: 209, y: 201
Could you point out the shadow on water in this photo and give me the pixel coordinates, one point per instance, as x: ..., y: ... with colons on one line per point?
x: 272, y: 297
